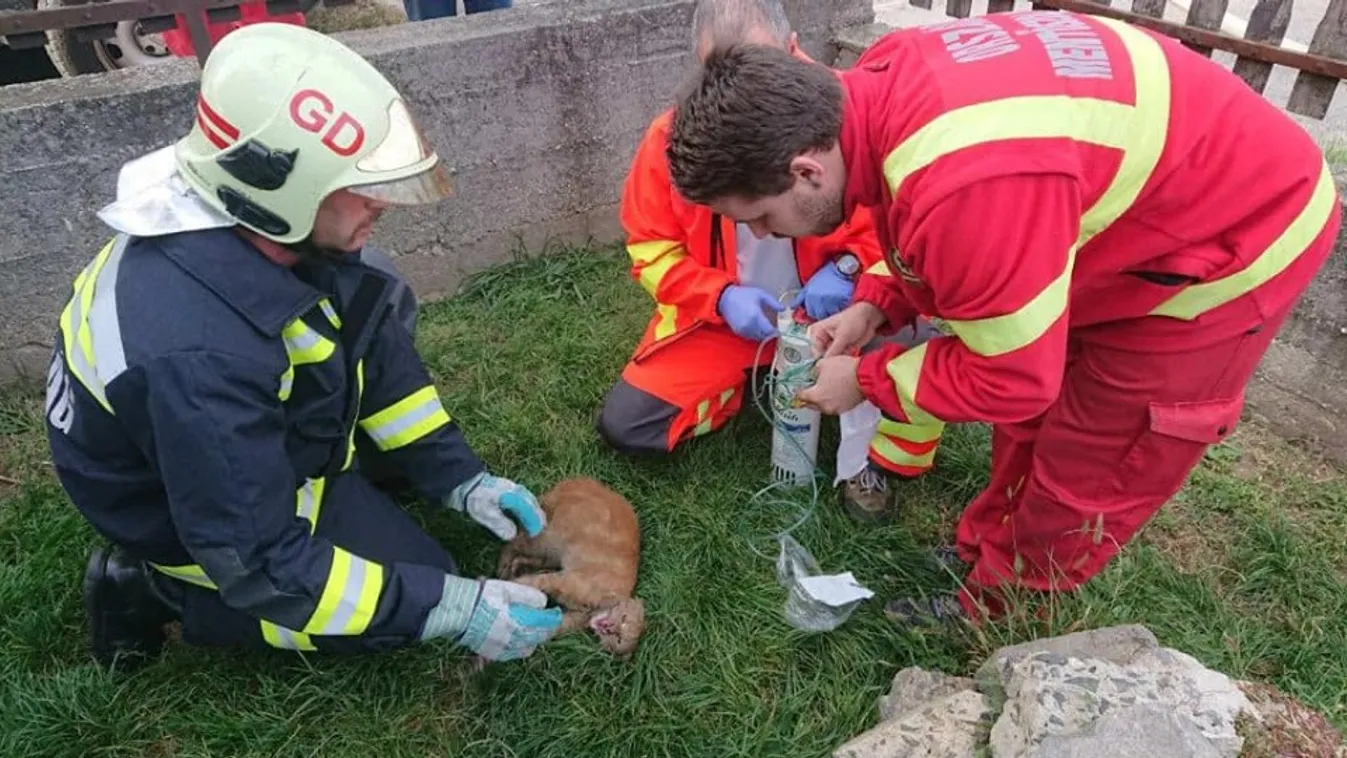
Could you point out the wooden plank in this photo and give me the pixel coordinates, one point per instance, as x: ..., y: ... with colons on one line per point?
x: 1267, y: 23
x: 922, y: 4
x: 1314, y: 90
x: 1152, y: 8
x: 1311, y: 62
x: 1206, y: 14
x: 1000, y: 6
x: 959, y: 8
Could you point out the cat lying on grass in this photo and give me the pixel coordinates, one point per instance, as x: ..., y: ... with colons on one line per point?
x: 586, y: 561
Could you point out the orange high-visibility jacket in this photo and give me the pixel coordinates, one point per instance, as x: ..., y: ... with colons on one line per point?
x: 683, y: 254
x: 1038, y: 172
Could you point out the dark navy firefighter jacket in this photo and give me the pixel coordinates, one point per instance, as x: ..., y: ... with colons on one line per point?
x: 200, y: 398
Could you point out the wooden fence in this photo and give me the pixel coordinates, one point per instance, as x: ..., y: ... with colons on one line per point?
x: 1320, y: 68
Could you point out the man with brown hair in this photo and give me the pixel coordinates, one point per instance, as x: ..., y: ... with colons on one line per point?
x: 1114, y: 228
x: 718, y: 286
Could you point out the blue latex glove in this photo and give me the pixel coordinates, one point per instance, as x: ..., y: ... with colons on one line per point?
x: 488, y: 498
x: 500, y: 621
x: 828, y: 292
x: 743, y: 310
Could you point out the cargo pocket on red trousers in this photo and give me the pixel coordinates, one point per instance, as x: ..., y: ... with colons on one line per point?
x: 1176, y: 437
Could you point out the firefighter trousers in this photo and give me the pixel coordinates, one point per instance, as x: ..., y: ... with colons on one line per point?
x: 1071, y: 487
x: 697, y: 382
x: 356, y: 516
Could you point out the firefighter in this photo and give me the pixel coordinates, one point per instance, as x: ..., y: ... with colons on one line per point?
x: 229, y: 376
x: 1113, y: 226
x: 717, y: 288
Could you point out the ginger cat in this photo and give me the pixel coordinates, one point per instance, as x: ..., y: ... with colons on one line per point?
x: 588, y: 556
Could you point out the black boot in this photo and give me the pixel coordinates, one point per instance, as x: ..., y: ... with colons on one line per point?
x: 126, y: 614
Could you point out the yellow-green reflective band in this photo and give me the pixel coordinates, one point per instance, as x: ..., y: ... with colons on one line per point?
x: 896, y: 455
x: 1139, y: 130
x: 90, y: 328
x: 879, y: 268
x: 1003, y: 334
x: 285, y: 639
x: 304, y: 345
x: 1197, y: 299
x: 911, y: 432
x: 668, y: 320
x: 330, y: 313
x: 350, y: 596
x: 703, y: 418
x: 287, y: 383
x: 309, y: 501
x: 407, y: 420
x: 192, y: 574
x: 905, y: 371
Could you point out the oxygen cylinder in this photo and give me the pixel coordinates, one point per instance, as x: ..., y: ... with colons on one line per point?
x: 795, y: 431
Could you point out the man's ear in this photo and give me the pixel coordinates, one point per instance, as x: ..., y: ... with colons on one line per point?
x: 808, y: 169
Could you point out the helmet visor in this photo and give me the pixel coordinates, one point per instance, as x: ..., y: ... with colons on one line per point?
x: 429, y: 186
x: 403, y: 148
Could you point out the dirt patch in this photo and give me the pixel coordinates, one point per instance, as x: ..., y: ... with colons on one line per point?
x: 1192, y: 538
x: 1289, y: 728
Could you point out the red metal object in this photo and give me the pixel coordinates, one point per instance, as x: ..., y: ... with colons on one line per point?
x: 179, y: 42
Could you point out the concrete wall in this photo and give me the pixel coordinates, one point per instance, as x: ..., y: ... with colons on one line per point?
x: 537, y: 109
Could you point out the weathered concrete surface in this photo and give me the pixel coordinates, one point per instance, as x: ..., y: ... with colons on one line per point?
x: 537, y: 109
x: 1300, y: 390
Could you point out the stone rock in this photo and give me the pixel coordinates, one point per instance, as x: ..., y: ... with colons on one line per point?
x: 1115, y: 644
x: 1050, y: 694
x: 914, y: 688
x: 952, y: 726
x: 1142, y: 730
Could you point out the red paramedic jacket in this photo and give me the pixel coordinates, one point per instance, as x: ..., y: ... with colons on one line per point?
x: 1035, y: 173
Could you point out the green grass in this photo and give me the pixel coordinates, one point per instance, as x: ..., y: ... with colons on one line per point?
x: 1246, y: 571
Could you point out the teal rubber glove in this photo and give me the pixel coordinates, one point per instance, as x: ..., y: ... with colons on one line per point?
x: 826, y: 293
x: 488, y: 498
x: 500, y: 621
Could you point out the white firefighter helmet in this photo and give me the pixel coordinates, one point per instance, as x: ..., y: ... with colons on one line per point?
x: 286, y: 116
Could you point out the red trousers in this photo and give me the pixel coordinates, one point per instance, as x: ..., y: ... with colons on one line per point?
x: 697, y: 382
x: 1072, y: 486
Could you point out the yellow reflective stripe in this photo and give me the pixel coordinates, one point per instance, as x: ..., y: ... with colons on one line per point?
x: 304, y: 345
x: 309, y: 501
x: 1197, y: 299
x: 407, y: 420
x: 911, y: 432
x: 192, y: 574
x: 905, y: 371
x: 898, y: 456
x: 703, y: 418
x: 287, y: 383
x: 331, y: 313
x: 725, y: 396
x: 1139, y: 130
x: 359, y: 398
x: 89, y: 325
x: 350, y: 596
x: 285, y: 639
x: 668, y: 320
x: 879, y: 268
x: 654, y: 259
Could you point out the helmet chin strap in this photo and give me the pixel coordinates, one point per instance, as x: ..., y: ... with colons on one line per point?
x: 308, y: 251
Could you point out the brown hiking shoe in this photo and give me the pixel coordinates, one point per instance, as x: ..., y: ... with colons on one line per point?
x: 866, y: 496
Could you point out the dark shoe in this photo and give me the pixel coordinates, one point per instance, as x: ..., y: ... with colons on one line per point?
x: 946, y: 558
x: 912, y: 612
x: 866, y: 496
x: 126, y: 615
